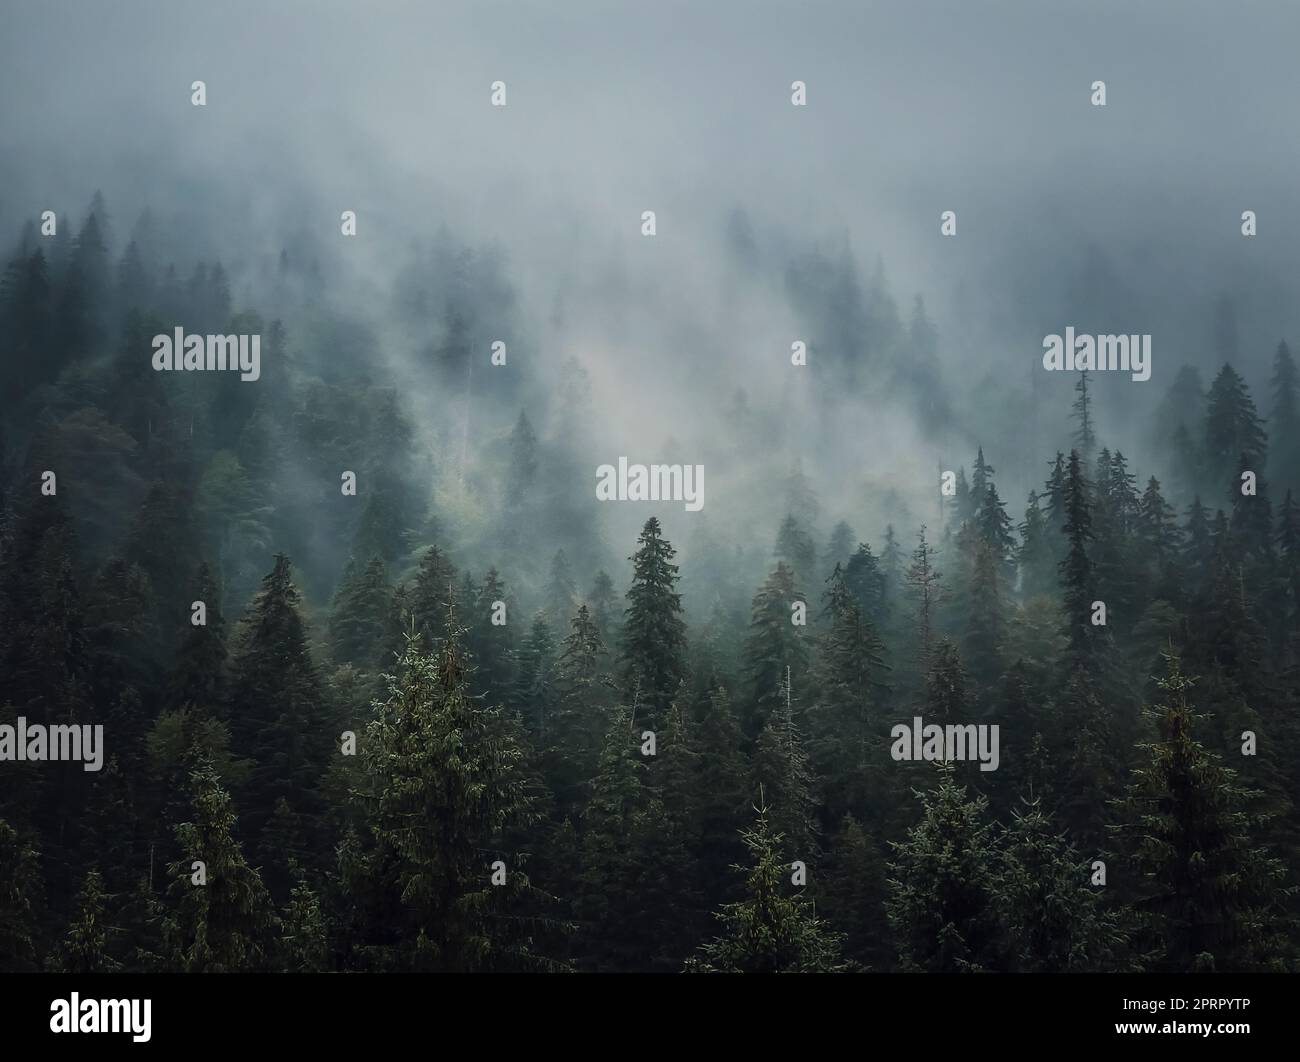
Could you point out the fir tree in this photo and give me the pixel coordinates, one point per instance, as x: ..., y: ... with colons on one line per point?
x: 943, y: 893
x: 1085, y: 435
x: 768, y: 931
x: 1212, y: 895
x: 654, y: 635
x: 774, y: 644
x: 224, y: 925
x: 86, y: 946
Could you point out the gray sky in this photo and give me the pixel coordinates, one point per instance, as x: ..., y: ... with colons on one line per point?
x: 914, y: 108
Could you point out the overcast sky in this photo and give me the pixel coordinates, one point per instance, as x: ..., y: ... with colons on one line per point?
x: 614, y: 108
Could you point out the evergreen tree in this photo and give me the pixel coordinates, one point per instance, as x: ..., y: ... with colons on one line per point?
x: 446, y: 782
x: 1284, y: 421
x: 1085, y: 434
x: 1232, y: 429
x: 1212, y: 891
x: 199, y: 676
x: 277, y: 706
x: 20, y: 898
x: 1076, y: 566
x: 944, y: 895
x: 774, y: 644
x: 358, y: 625
x: 224, y: 924
x: 1058, y: 921
x: 654, y: 635
x: 1036, y: 555
x: 768, y: 931
x: 85, y: 948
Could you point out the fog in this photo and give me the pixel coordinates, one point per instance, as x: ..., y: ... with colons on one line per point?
x: 774, y: 223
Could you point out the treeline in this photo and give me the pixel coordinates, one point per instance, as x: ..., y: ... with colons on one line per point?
x: 418, y: 765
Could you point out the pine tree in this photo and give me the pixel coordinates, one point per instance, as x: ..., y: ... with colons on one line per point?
x: 603, y: 602
x: 1036, y: 555
x: 795, y: 548
x: 854, y: 895
x: 768, y: 931
x: 20, y: 899
x: 1085, y: 435
x: 1213, y: 892
x: 630, y: 860
x: 1284, y: 421
x: 358, y: 625
x: 533, y: 696
x: 944, y: 893
x: 773, y: 645
x: 303, y: 944
x: 1058, y: 920
x: 561, y: 594
x: 1232, y: 428
x: 86, y: 946
x: 654, y: 635
x: 846, y: 719
x: 867, y: 582
x: 923, y: 588
x: 224, y: 925
x: 433, y: 592
x: 446, y: 782
x: 199, y: 675
x: 781, y: 769
x: 277, y: 706
x: 723, y: 784
x: 1076, y: 567
x: 580, y: 715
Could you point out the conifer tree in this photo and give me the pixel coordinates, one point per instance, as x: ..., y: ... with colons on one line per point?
x: 86, y: 946
x: 924, y: 591
x: 446, y: 781
x: 1085, y: 434
x: 1058, y: 920
x: 770, y: 930
x: 359, y: 618
x: 223, y: 925
x: 278, y: 711
x: 1212, y: 890
x: 1076, y: 566
x: 1036, y: 556
x: 795, y: 548
x: 1284, y: 421
x: 20, y: 898
x: 774, y: 644
x: 944, y: 896
x: 1232, y: 429
x: 654, y: 635
x: 630, y: 861
x: 199, y: 675
x: 782, y: 770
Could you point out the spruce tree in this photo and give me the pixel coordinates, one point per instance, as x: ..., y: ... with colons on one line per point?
x: 944, y: 894
x: 774, y: 644
x: 86, y: 946
x: 770, y: 930
x: 1212, y: 891
x: 225, y: 924
x: 654, y: 635
x: 445, y: 782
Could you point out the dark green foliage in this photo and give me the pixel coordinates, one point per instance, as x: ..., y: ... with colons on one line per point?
x: 773, y: 929
x: 654, y: 635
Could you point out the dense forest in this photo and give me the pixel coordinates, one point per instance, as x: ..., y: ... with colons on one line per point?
x: 452, y: 721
